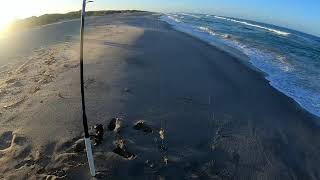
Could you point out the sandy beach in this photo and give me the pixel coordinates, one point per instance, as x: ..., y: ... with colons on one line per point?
x: 207, y: 114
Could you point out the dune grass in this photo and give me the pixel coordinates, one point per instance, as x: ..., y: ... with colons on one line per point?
x: 35, y: 21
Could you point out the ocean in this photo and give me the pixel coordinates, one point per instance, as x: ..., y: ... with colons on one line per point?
x: 289, y: 59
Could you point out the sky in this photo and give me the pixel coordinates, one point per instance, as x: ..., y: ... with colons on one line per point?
x: 301, y: 15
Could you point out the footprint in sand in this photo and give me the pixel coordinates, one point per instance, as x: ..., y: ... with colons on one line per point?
x: 56, y: 159
x: 14, y: 152
x: 3, y: 92
x: 89, y: 82
x: 69, y: 66
x: 15, y: 103
x: 8, y: 141
x: 5, y: 140
x: 16, y: 84
x: 47, y: 78
x: 75, y: 145
x: 11, y: 80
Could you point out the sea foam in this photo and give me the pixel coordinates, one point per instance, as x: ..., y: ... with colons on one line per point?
x: 289, y: 65
x: 254, y: 25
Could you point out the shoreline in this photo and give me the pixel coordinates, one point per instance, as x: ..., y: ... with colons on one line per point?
x: 245, y: 60
x: 218, y: 119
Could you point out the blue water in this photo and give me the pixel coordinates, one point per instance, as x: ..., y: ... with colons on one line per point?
x: 290, y: 59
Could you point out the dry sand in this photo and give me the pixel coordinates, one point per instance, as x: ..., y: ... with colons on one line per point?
x: 205, y: 114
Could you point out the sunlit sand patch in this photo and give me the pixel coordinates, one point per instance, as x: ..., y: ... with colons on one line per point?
x: 28, y: 81
x: 15, y: 153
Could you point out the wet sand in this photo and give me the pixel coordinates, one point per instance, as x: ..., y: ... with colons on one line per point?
x: 206, y: 114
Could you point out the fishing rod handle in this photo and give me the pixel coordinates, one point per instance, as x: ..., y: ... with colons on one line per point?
x: 90, y: 156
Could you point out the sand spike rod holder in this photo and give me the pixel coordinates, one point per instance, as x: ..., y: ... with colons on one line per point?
x: 84, y: 116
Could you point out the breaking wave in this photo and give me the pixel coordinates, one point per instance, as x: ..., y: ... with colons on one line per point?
x: 254, y: 25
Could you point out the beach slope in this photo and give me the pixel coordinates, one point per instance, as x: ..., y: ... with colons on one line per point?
x: 205, y: 113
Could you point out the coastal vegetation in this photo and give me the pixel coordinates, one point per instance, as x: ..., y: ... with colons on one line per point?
x: 35, y: 21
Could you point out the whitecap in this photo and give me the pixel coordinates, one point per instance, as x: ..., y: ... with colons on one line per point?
x: 280, y: 71
x: 255, y: 25
x: 174, y: 19
x: 207, y: 30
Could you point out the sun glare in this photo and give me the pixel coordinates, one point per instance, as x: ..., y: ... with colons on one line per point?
x: 4, y: 22
x: 6, y: 17
x: 16, y: 9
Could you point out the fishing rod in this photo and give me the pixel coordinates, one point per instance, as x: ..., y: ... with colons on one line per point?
x: 84, y: 115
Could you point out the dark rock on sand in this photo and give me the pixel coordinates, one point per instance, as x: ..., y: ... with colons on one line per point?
x: 149, y: 164
x: 115, y: 124
x: 122, y: 150
x: 79, y: 146
x: 112, y: 124
x: 99, y: 132
x: 127, y: 90
x: 124, y: 153
x: 142, y: 126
